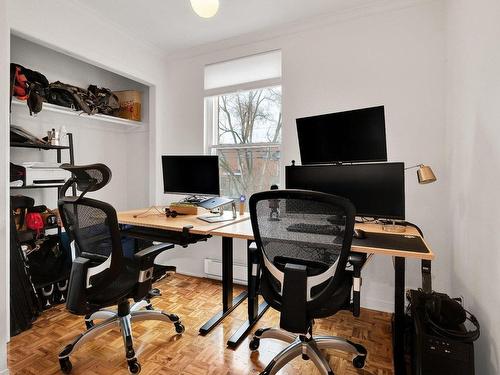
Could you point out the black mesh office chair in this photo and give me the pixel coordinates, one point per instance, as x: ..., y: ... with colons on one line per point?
x: 304, y: 240
x: 101, y: 276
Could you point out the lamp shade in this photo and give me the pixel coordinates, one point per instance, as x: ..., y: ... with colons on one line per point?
x: 425, y: 174
x: 205, y: 8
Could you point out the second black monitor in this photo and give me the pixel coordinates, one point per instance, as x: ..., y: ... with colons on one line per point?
x: 376, y: 190
x: 349, y: 136
x: 191, y: 174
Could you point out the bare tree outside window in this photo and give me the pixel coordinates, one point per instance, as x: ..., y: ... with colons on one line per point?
x: 247, y: 139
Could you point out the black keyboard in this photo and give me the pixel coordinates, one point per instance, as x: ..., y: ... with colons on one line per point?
x: 329, y: 229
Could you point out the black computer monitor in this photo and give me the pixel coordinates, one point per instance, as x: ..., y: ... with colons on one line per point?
x: 350, y: 136
x: 377, y: 190
x: 191, y: 174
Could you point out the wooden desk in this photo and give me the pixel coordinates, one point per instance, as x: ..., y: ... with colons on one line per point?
x: 154, y: 219
x: 243, y: 230
x: 185, y: 230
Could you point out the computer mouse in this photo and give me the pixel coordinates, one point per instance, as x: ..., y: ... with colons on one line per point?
x: 359, y: 234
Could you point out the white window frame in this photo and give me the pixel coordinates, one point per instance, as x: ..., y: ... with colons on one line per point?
x: 211, y: 117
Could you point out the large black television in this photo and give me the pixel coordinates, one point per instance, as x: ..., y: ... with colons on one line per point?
x: 191, y: 174
x: 349, y: 136
x: 376, y: 189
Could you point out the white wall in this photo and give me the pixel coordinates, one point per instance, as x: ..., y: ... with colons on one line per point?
x: 393, y: 58
x: 4, y: 183
x: 94, y: 141
x: 473, y: 111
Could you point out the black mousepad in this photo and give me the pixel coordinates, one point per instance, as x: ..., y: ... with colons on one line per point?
x: 392, y: 241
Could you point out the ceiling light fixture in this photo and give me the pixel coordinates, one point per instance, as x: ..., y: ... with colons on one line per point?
x: 205, y: 8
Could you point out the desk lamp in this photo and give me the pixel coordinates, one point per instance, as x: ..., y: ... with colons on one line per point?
x: 425, y: 175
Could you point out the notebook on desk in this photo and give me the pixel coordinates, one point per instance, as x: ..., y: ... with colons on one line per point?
x: 408, y: 243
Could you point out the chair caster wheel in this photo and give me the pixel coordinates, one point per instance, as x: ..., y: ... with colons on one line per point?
x: 359, y: 361
x: 254, y: 344
x: 134, y: 367
x: 89, y: 324
x: 66, y: 365
x: 179, y: 328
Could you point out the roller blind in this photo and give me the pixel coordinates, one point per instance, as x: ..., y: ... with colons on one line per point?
x: 243, y: 73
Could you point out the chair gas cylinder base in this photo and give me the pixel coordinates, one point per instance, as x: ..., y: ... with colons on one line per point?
x: 101, y: 275
x: 299, y: 267
x: 122, y: 318
x: 309, y: 347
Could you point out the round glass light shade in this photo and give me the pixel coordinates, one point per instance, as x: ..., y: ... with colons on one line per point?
x: 205, y: 8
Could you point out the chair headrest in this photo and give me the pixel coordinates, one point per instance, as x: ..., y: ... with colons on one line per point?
x: 90, y: 177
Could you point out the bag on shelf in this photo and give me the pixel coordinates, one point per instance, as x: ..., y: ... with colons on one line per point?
x: 29, y: 85
x: 70, y: 96
x: 19, y: 205
x: 106, y: 101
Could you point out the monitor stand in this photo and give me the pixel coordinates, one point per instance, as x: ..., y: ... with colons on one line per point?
x: 218, y: 215
x: 216, y: 218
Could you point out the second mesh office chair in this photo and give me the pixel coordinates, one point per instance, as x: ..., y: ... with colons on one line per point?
x: 101, y: 276
x: 304, y: 240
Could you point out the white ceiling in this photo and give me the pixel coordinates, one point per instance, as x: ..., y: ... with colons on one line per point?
x: 172, y: 25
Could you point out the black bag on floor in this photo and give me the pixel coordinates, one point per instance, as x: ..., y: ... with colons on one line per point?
x: 24, y: 303
x: 47, y: 263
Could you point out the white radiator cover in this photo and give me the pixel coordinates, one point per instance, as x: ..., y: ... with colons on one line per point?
x: 213, y: 270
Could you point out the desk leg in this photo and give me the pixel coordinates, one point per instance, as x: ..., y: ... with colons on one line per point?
x: 228, y: 303
x: 398, y: 326
x: 255, y: 311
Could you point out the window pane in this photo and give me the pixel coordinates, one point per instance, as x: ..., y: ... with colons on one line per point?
x: 249, y: 170
x: 250, y: 116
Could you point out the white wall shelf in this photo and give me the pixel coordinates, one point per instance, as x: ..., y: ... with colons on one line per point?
x: 48, y: 107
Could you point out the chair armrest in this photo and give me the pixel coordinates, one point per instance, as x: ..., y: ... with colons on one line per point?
x: 357, y: 260
x: 146, y: 257
x: 253, y: 270
x: 76, y: 301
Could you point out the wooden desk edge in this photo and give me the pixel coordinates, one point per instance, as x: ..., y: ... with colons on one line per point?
x: 130, y: 220
x: 227, y: 232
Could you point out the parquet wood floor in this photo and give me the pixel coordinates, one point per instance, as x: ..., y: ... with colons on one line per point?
x: 161, y: 351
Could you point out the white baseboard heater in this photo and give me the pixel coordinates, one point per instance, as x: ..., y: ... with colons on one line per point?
x: 213, y: 270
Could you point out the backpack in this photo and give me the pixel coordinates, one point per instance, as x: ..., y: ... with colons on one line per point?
x: 74, y: 97
x: 106, y: 101
x: 46, y: 263
x: 29, y: 85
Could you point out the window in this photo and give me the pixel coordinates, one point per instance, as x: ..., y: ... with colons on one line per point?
x: 243, y: 127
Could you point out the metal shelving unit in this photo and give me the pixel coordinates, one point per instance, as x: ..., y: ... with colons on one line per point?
x: 71, y: 156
